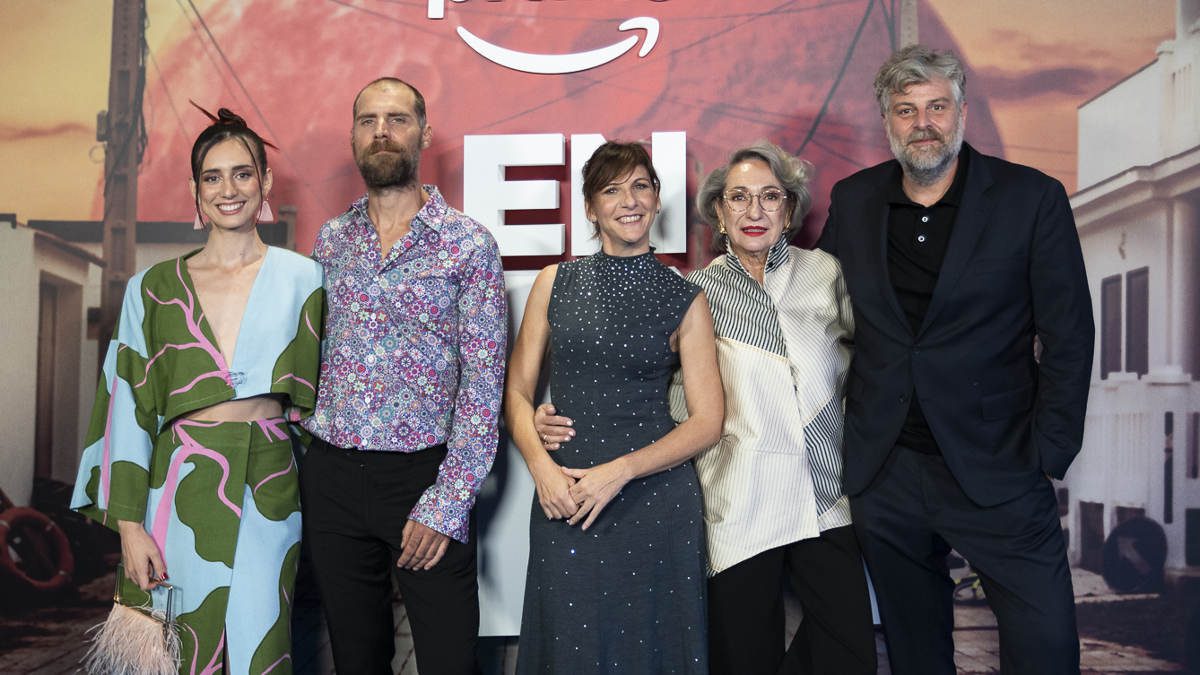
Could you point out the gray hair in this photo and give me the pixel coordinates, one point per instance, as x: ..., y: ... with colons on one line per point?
x: 793, y: 174
x: 917, y: 64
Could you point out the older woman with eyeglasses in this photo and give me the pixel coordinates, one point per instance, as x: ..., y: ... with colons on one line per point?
x: 773, y: 504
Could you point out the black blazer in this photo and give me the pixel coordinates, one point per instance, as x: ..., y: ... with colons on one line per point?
x: 1013, y: 269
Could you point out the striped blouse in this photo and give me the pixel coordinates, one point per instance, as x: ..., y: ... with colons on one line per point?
x: 775, y: 477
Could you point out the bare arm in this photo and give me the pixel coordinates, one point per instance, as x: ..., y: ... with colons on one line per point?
x: 598, y: 485
x: 524, y: 365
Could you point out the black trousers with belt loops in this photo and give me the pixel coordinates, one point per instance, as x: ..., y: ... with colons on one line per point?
x: 356, y: 504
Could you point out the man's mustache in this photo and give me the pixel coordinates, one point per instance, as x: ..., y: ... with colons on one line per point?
x: 383, y: 146
x: 926, y: 135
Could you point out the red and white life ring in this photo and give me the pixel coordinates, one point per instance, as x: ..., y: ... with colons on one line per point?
x: 46, y: 559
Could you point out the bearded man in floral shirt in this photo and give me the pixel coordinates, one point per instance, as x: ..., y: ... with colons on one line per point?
x: 412, y: 368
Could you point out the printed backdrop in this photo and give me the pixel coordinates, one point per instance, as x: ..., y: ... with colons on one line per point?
x: 797, y: 72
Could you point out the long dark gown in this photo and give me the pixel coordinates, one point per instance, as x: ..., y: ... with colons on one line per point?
x: 627, y: 595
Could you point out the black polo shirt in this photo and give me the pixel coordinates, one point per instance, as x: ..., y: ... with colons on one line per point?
x: 916, y: 245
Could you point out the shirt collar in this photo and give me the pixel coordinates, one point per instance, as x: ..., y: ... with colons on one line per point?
x: 776, y: 255
x: 432, y: 214
x: 953, y: 196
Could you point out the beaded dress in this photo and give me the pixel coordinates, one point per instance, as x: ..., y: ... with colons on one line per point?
x: 628, y: 594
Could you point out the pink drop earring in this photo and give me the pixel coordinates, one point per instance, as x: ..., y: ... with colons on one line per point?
x: 265, y: 214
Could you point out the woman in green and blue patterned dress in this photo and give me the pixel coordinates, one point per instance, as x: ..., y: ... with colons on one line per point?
x: 189, y: 453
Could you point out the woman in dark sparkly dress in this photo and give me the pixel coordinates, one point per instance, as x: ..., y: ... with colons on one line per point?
x: 616, y: 576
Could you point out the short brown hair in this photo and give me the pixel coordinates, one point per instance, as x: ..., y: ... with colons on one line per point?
x: 611, y: 161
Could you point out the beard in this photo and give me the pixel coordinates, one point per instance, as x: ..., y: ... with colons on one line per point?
x: 386, y: 165
x: 927, y: 164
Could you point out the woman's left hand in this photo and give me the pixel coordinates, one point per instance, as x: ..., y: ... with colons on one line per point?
x: 594, y: 488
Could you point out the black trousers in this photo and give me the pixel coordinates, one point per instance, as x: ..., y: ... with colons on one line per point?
x: 746, y: 617
x: 908, y: 519
x: 355, y: 507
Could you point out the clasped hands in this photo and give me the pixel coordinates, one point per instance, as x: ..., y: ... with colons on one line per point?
x: 577, y: 495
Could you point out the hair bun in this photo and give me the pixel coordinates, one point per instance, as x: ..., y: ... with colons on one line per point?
x: 227, y: 116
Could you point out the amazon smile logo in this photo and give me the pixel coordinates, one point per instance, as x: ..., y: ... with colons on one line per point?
x: 555, y: 64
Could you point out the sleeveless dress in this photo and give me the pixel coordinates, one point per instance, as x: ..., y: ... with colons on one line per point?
x: 628, y: 595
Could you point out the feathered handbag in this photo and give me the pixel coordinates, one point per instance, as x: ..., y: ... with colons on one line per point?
x: 135, y: 640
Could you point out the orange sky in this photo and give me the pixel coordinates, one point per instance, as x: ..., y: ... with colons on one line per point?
x: 1062, y: 53
x: 54, y: 72
x: 54, y: 59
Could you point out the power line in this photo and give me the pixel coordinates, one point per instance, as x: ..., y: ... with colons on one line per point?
x: 840, y: 155
x: 408, y: 24
x: 889, y: 20
x: 838, y: 78
x: 232, y: 70
x: 204, y: 46
x: 162, y: 81
x: 254, y: 105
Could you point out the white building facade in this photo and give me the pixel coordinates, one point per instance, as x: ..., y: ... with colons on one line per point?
x: 1138, y: 214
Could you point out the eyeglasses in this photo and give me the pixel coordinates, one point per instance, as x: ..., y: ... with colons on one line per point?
x: 769, y: 200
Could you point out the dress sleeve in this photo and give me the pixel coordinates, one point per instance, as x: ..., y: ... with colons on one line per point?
x: 114, y: 472
x: 296, y: 368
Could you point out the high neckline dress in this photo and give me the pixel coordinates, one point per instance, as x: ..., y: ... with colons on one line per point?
x: 628, y: 594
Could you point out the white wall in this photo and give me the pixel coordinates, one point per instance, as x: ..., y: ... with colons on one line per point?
x: 504, y: 502
x: 1150, y: 116
x: 1125, y: 242
x: 1181, y: 115
x: 1123, y: 457
x: 69, y: 273
x: 1106, y: 144
x: 25, y: 261
x: 18, y: 361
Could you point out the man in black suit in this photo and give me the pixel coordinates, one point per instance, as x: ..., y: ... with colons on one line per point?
x: 956, y: 262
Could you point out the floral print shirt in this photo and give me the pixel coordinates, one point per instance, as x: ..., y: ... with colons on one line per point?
x: 414, y: 348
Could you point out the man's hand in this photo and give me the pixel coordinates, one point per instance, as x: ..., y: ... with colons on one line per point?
x: 554, y: 430
x: 421, y: 547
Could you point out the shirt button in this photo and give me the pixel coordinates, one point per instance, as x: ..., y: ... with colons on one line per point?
x: 920, y: 239
x: 924, y: 219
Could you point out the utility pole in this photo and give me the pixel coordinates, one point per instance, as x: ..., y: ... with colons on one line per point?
x: 907, y: 23
x: 121, y: 128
